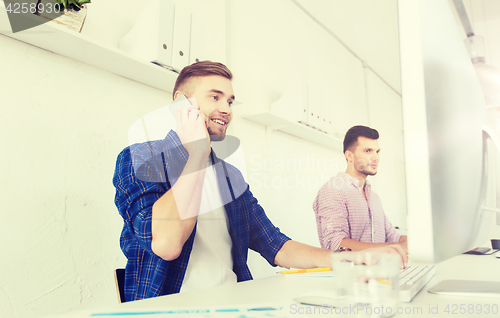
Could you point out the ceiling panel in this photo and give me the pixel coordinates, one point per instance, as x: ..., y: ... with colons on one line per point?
x: 369, y: 28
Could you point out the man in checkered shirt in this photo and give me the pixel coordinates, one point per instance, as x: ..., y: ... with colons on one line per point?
x: 348, y: 213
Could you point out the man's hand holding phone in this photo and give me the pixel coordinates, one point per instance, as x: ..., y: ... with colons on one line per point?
x: 175, y: 213
x: 192, y: 131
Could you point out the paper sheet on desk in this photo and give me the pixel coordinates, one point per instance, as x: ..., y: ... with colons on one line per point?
x: 247, y: 311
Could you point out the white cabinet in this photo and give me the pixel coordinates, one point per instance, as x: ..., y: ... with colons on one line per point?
x: 151, y: 38
x: 164, y: 33
x: 60, y: 40
x: 310, y: 104
x: 275, y: 121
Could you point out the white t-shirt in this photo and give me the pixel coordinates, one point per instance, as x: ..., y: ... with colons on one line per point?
x: 210, y: 263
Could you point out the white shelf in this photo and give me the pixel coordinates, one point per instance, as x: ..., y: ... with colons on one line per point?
x: 296, y: 129
x: 52, y: 37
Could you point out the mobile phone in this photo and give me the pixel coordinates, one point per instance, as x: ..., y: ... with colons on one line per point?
x: 180, y: 101
x: 478, y: 251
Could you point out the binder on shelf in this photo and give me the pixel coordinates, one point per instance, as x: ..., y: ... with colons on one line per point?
x: 329, y: 114
x: 305, y: 114
x: 181, y: 41
x: 151, y: 38
x: 197, y: 45
x: 304, y: 109
x: 323, y: 108
x: 314, y: 105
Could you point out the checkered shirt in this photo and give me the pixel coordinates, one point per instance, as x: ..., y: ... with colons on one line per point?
x: 343, y: 212
x: 144, y: 172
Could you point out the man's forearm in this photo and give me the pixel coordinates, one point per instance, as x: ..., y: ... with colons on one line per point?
x: 358, y: 246
x: 403, y: 241
x: 298, y: 255
x: 175, y: 213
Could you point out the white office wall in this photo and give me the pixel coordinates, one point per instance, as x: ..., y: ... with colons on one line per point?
x: 62, y: 127
x: 65, y: 122
x: 385, y: 115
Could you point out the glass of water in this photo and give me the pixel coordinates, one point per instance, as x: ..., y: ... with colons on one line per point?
x: 367, y: 283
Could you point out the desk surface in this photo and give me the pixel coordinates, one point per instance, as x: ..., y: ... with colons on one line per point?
x: 281, y: 289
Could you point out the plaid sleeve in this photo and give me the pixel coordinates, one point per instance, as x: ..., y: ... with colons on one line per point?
x: 265, y: 238
x: 136, y: 194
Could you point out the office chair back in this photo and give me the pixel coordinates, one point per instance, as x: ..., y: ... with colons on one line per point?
x: 120, y: 283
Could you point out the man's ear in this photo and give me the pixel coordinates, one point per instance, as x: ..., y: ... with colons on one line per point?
x: 348, y: 155
x: 177, y: 94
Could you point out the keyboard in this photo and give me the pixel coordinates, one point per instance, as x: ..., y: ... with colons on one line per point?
x: 412, y: 279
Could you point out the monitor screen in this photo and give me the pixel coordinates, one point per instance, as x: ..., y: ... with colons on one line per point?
x: 444, y: 113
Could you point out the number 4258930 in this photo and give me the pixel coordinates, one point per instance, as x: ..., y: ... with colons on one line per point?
x: 462, y: 309
x: 32, y: 8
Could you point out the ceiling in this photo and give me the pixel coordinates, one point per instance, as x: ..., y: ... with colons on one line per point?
x: 484, y: 16
x: 379, y: 44
x: 482, y: 10
x: 368, y: 28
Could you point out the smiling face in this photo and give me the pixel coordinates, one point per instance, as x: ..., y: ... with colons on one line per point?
x: 364, y: 159
x: 214, y: 96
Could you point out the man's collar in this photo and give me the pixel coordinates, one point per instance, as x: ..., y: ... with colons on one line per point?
x: 352, y: 180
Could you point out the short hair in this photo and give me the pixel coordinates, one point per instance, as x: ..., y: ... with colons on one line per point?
x: 351, y: 137
x: 198, y: 69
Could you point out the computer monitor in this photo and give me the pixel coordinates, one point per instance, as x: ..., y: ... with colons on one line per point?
x: 444, y: 118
